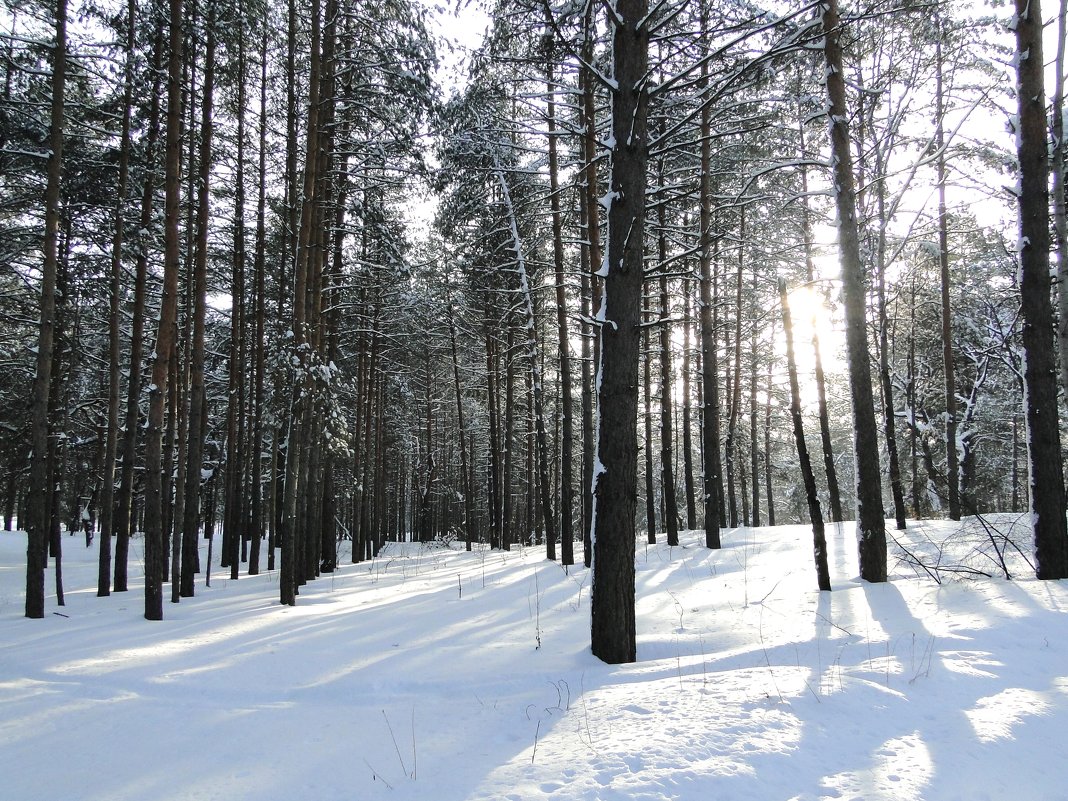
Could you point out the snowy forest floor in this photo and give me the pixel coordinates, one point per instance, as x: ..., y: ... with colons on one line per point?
x: 440, y: 675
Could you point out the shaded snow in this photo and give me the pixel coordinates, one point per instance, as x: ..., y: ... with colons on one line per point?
x: 436, y: 674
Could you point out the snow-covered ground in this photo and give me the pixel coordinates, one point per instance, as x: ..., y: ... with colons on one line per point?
x: 439, y: 675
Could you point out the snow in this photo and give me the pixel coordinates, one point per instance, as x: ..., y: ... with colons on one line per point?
x: 431, y: 673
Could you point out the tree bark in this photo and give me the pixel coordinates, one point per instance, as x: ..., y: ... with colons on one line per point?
x: 687, y: 433
x: 754, y: 450
x: 886, y: 387
x: 166, y: 333
x: 290, y: 573
x: 591, y: 296
x: 536, y: 383
x: 815, y: 513
x: 107, y: 500
x: 833, y: 491
x: 1042, y: 431
x: 40, y: 512
x: 612, y: 596
x: 871, y: 526
x: 647, y: 419
x: 465, y: 478
x: 949, y: 375
x: 768, y: 482
x: 667, y: 435
x: 259, y: 288
x: 1060, y: 205
x: 197, y: 399
x: 123, y: 522
x: 710, y: 481
x: 730, y: 447
x: 567, y: 529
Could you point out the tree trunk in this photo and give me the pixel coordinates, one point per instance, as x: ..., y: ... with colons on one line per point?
x: 768, y: 484
x: 687, y: 434
x: 754, y: 451
x: 197, y: 398
x: 647, y: 418
x: 291, y: 537
x: 590, y: 296
x: 124, y: 517
x: 166, y: 332
x: 467, y: 484
x: 1060, y: 207
x: 567, y: 531
x: 39, y: 507
x: 709, y: 363
x: 493, y: 477
x: 507, y: 524
x: 952, y: 453
x: 887, y: 389
x: 871, y: 532
x: 918, y: 504
x: 107, y: 500
x: 612, y: 596
x: 1043, y: 435
x: 833, y: 491
x: 235, y: 513
x: 667, y: 471
x: 730, y: 447
x: 815, y: 513
x: 259, y: 269
x: 537, y: 387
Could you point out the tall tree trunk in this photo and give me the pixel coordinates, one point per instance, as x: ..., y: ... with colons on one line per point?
x: 124, y: 517
x: 166, y: 333
x: 815, y: 513
x: 709, y: 363
x: 291, y: 537
x: 887, y: 388
x: 197, y: 398
x: 259, y: 269
x: 590, y: 292
x: 173, y: 479
x: 176, y: 438
x: 612, y: 596
x: 730, y: 447
x: 466, y: 483
x: 39, y: 506
x: 687, y: 422
x: 59, y: 422
x: 233, y: 522
x: 507, y: 523
x: 667, y: 471
x: 871, y: 527
x: 426, y: 533
x: 918, y: 504
x: 495, y: 497
x: 587, y: 394
x: 833, y: 491
x: 952, y: 453
x: 768, y: 484
x: 1060, y: 206
x: 107, y: 504
x: 754, y: 450
x: 537, y: 388
x: 1043, y: 434
x: 647, y: 419
x: 567, y: 531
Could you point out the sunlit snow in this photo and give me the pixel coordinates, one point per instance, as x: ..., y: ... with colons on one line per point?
x: 440, y: 675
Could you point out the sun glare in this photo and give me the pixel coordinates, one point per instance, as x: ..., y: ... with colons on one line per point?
x: 813, y: 317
